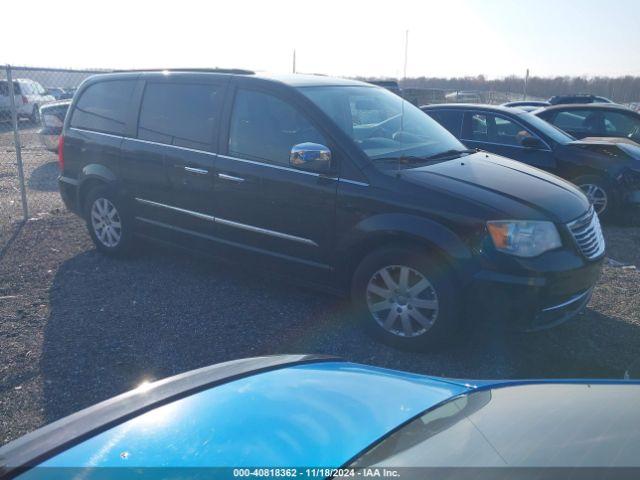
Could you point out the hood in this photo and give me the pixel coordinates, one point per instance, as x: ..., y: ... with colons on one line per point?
x: 609, y: 140
x: 318, y: 414
x: 620, y: 149
x: 516, y: 190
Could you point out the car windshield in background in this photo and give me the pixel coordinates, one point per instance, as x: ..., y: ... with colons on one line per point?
x: 384, y: 126
x: 551, y: 131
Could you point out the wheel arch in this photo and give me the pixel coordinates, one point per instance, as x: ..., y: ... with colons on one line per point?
x: 406, y: 230
x: 93, y: 175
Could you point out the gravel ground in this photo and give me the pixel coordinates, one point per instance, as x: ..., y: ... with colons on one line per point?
x: 40, y: 170
x: 76, y: 327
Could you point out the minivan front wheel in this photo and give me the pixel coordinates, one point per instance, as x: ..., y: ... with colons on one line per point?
x: 405, y: 298
x: 108, y: 222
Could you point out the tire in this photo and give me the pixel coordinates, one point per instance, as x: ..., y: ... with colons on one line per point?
x: 435, y: 302
x: 595, y: 187
x: 102, y: 207
x: 35, y: 114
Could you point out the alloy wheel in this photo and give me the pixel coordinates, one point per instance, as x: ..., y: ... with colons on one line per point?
x: 402, y: 301
x: 596, y: 195
x: 106, y: 222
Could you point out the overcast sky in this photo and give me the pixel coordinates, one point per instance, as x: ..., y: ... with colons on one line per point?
x: 337, y: 37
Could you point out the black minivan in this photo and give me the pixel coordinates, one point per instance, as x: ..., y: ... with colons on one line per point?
x: 339, y: 183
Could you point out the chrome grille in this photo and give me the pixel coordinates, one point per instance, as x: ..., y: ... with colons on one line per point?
x: 587, y: 233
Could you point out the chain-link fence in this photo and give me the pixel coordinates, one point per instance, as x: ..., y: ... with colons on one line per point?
x: 30, y: 121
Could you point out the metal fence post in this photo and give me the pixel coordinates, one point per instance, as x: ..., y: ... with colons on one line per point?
x: 16, y: 140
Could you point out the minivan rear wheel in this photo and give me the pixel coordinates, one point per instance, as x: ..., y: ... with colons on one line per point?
x: 405, y: 298
x: 108, y: 222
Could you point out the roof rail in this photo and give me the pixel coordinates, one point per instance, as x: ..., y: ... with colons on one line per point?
x: 236, y: 71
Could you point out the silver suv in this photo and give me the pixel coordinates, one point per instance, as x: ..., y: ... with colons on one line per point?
x: 29, y: 96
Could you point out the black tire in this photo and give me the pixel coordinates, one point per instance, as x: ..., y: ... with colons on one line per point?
x: 585, y: 180
x: 433, y: 269
x: 124, y: 245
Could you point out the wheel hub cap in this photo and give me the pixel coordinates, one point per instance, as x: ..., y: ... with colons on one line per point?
x: 596, y: 196
x: 106, y: 222
x: 402, y: 301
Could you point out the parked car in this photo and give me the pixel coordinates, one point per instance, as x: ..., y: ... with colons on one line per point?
x: 339, y: 184
x: 467, y: 97
x: 527, y: 105
x: 609, y: 174
x: 423, y: 96
x: 606, y: 121
x: 52, y: 119
x: 28, y: 95
x: 60, y: 93
x: 577, y: 98
x: 390, y: 85
x: 5, y: 105
x: 305, y: 416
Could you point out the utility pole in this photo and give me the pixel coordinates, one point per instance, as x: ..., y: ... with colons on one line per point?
x: 526, y: 81
x: 294, y: 60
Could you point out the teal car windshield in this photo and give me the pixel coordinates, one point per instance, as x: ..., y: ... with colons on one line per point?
x: 382, y: 124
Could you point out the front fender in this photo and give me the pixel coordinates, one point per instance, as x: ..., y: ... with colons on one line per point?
x: 409, y: 227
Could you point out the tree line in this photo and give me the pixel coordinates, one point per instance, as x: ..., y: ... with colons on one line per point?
x: 620, y: 89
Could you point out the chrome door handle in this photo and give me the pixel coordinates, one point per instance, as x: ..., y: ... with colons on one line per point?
x: 199, y: 171
x: 231, y: 178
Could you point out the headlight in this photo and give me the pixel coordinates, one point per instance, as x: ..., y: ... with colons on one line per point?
x: 524, y: 238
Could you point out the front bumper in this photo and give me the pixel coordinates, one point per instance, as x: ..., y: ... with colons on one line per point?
x: 534, y: 303
x: 556, y: 314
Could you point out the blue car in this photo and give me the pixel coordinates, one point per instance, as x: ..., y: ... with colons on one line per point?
x: 314, y: 417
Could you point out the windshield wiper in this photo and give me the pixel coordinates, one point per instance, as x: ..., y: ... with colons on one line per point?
x: 406, y: 159
x: 449, y: 153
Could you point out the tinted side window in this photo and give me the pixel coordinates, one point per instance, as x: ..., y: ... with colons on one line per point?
x: 179, y: 114
x: 265, y: 128
x: 103, y: 107
x: 477, y: 127
x: 620, y: 124
x: 570, y: 120
x: 449, y: 119
x: 490, y: 128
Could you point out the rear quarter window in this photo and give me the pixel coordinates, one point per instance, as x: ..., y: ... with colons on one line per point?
x: 103, y: 106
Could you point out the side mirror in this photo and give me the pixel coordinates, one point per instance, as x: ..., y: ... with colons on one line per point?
x: 313, y: 157
x: 531, y: 142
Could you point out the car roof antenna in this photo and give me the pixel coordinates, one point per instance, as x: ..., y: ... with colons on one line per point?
x: 404, y: 81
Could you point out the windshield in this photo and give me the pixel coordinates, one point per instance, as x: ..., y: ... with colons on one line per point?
x: 549, y: 130
x: 384, y: 126
x: 554, y: 423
